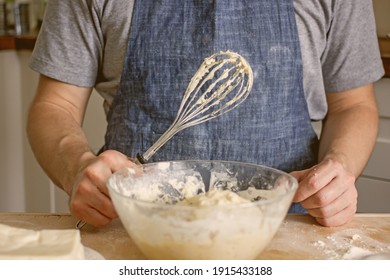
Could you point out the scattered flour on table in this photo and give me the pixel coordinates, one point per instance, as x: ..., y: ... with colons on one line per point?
x: 350, y: 244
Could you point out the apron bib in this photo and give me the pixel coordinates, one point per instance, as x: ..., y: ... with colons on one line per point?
x: 169, y: 40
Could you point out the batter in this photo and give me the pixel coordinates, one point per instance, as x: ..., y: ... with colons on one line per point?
x: 211, y: 225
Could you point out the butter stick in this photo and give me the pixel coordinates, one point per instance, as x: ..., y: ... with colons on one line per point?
x: 48, y: 244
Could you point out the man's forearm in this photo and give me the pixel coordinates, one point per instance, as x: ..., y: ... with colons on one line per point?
x: 58, y: 143
x: 349, y: 135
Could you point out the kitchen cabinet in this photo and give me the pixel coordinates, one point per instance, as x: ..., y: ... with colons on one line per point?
x: 374, y: 184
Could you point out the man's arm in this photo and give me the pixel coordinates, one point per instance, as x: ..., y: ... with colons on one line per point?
x: 348, y: 136
x: 55, y: 133
x: 54, y: 129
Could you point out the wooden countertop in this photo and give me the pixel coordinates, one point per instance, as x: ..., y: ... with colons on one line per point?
x: 299, y: 237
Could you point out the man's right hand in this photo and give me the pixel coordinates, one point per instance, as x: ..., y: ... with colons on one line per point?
x: 89, y: 200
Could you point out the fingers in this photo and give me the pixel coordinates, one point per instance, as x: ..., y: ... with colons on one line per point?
x: 90, y: 199
x: 338, y: 219
x: 91, y: 205
x: 335, y: 214
x: 315, y: 179
x: 116, y: 160
x: 328, y: 192
x: 105, y: 165
x: 94, y: 218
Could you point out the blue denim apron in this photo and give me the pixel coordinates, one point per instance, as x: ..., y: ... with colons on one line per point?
x: 169, y: 40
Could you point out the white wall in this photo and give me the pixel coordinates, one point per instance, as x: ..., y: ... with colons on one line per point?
x: 12, y: 193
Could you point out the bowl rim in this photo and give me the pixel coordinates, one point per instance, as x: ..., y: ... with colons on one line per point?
x: 241, y: 205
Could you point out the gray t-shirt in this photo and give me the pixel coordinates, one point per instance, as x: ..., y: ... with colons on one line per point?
x: 84, y: 43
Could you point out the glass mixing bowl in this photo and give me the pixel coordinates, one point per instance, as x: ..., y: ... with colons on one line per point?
x: 247, y: 204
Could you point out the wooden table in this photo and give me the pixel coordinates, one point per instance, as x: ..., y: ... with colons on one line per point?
x: 299, y: 237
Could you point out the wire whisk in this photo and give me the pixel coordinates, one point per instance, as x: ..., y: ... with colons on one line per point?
x: 222, y: 82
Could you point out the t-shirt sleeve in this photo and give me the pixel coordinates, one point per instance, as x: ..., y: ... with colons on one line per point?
x: 351, y: 57
x: 69, y: 44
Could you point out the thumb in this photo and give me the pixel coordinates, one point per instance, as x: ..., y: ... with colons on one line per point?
x: 299, y: 175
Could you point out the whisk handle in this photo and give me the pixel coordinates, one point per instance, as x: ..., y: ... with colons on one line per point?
x: 141, y: 159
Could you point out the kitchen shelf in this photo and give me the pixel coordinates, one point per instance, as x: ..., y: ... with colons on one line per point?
x: 384, y: 46
x: 22, y: 42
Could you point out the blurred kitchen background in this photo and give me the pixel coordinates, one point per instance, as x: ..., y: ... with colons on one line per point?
x: 23, y: 185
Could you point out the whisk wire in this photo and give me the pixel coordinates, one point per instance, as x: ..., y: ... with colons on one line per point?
x: 209, y: 96
x: 196, y: 85
x: 201, y: 111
